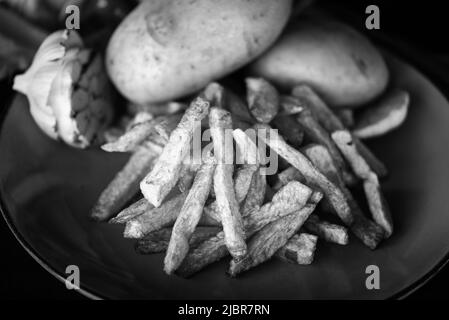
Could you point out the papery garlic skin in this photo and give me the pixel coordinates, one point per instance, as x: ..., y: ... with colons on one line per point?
x: 68, y: 90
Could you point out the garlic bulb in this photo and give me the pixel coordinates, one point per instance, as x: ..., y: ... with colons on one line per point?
x: 68, y: 90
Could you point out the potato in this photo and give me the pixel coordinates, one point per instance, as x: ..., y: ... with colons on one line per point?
x: 166, y: 49
x: 338, y: 62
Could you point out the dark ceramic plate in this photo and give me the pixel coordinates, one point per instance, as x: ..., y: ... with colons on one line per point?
x: 47, y: 190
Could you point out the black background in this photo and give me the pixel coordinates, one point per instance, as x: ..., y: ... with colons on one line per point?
x: 420, y: 27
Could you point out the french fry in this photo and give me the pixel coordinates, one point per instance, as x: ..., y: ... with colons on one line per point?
x: 131, y: 138
x: 287, y: 175
x: 311, y: 174
x: 256, y: 193
x: 374, y: 163
x: 246, y: 147
x: 325, y: 116
x: 378, y: 206
x: 332, y: 123
x: 207, y: 252
x: 138, y: 118
x: 187, y: 175
x: 322, y: 159
x: 112, y: 134
x: 239, y: 111
x: 292, y: 105
x: 142, y: 130
x: 248, y: 192
x: 318, y: 134
x: 343, y: 140
x: 228, y: 207
x: 288, y: 199
x: 290, y: 129
x: 386, y: 115
x: 245, y: 174
x: 370, y: 233
x: 367, y: 231
x: 263, y: 99
x: 224, y: 98
x: 299, y: 249
x: 157, y: 241
x: 141, y: 206
x: 215, y: 94
x: 243, y: 178
x: 134, y: 210
x: 257, y: 220
x: 162, y: 109
x: 329, y: 232
x: 272, y: 237
x: 346, y: 117
x: 165, y: 174
x: 124, y: 185
x: 154, y: 219
x: 241, y: 185
x: 189, y: 216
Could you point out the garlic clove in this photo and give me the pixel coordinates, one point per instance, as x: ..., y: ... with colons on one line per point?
x: 36, y: 82
x: 68, y: 90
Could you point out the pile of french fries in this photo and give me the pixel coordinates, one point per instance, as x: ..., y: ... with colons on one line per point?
x: 198, y: 213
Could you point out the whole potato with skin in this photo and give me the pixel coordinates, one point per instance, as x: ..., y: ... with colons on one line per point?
x: 335, y: 60
x: 166, y: 49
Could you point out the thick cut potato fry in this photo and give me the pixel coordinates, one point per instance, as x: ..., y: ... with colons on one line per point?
x: 377, y: 204
x: 263, y: 99
x: 165, y: 174
x: 287, y: 175
x: 157, y: 241
x: 346, y: 117
x: 242, y: 184
x: 228, y: 207
x: 329, y: 232
x: 255, y: 195
x: 300, y: 249
x: 318, y: 134
x: 157, y: 109
x: 224, y: 98
x: 291, y: 105
x: 141, y: 206
x: 187, y: 175
x: 290, y: 129
x: 134, y: 210
x: 344, y: 141
x: 189, y: 216
x: 249, y: 154
x: 124, y: 185
x: 155, y: 219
